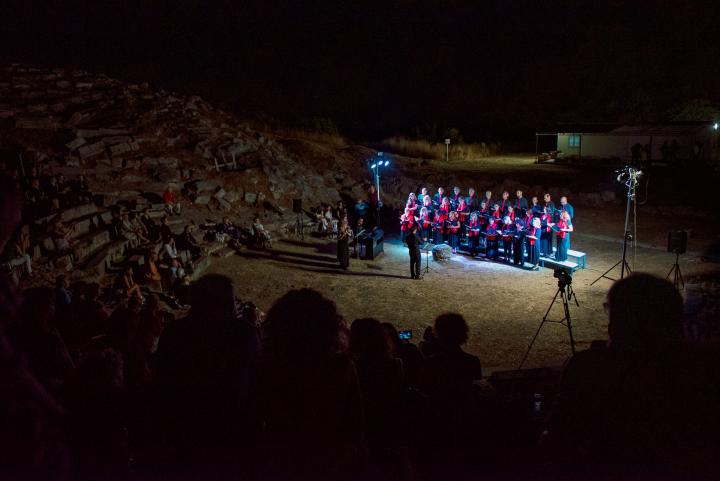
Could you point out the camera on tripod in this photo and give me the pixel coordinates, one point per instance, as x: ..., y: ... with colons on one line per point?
x: 564, y: 278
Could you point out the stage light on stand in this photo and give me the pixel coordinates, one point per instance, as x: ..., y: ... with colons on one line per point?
x: 715, y: 126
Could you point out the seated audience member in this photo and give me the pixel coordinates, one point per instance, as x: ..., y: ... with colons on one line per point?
x: 204, y: 368
x: 450, y: 370
x: 169, y: 250
x: 165, y: 230
x: 60, y: 234
x: 428, y: 346
x: 36, y: 336
x: 17, y: 253
x: 130, y: 230
x: 35, y: 201
x: 97, y: 418
x: 641, y: 407
x: 175, y: 271
x: 90, y: 315
x: 331, y: 223
x: 150, y: 226
x: 172, y: 206
x: 127, y: 284
x: 152, y: 273
x: 81, y: 191
x: 260, y: 233
x: 382, y: 383
x: 228, y: 229
x: 186, y: 242
x: 63, y: 299
x: 408, y: 352
x: 308, y: 392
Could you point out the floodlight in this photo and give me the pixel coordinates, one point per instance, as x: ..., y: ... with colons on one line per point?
x: 373, y: 166
x: 380, y: 154
x: 715, y: 126
x: 387, y: 161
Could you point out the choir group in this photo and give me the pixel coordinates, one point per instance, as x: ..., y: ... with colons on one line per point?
x: 512, y: 228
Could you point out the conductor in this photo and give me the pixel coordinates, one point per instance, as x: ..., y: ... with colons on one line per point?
x: 412, y: 240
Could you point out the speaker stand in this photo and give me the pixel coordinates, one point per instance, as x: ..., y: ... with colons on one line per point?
x: 678, y: 280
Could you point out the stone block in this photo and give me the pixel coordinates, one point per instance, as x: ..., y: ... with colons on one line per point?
x: 64, y: 263
x: 220, y: 194
x: 224, y: 205
x: 206, y: 185
x: 202, y: 200
x: 90, y: 243
x: 91, y: 150
x: 78, y: 142
x: 117, y: 139
x: 250, y: 197
x: 232, y: 196
x: 79, y: 211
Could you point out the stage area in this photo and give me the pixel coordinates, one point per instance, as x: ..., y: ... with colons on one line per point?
x: 503, y: 304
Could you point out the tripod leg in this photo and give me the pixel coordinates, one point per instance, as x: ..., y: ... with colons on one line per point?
x: 672, y: 269
x: 537, y: 333
x: 568, y: 321
x: 604, y: 274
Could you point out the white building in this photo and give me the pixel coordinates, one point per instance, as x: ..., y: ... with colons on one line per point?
x: 693, y: 140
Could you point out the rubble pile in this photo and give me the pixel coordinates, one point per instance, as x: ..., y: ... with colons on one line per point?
x: 130, y: 135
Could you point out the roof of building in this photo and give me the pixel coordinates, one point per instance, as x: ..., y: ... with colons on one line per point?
x: 673, y: 129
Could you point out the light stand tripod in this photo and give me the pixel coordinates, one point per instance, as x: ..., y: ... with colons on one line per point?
x: 631, y: 176
x: 566, y: 293
x: 678, y: 280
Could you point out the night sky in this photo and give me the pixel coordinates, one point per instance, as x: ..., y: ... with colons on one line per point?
x: 491, y: 69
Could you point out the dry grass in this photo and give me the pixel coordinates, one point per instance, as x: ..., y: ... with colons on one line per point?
x: 420, y: 148
x: 283, y: 131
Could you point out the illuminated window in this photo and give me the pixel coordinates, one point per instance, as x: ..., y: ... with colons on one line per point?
x: 574, y: 140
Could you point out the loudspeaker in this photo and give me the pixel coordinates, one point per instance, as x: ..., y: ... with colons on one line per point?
x: 371, y: 245
x: 297, y: 206
x: 677, y: 241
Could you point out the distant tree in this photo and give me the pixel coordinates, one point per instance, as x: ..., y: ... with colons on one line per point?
x: 323, y: 125
x: 454, y: 135
x: 696, y: 109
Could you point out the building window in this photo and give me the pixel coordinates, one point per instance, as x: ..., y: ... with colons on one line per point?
x: 574, y: 140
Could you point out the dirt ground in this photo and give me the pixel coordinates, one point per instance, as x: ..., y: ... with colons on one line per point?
x: 503, y: 304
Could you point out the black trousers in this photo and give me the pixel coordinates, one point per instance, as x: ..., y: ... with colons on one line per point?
x: 414, y: 261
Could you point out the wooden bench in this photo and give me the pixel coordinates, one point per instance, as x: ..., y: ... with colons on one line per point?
x: 569, y: 265
x: 580, y: 258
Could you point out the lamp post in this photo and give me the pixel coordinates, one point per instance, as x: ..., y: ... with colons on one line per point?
x: 379, y: 163
x: 447, y: 150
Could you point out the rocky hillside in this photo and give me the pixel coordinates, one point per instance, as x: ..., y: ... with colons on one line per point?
x: 131, y: 137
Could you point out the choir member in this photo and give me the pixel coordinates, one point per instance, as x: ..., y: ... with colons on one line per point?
x: 508, y: 231
x: 510, y: 213
x: 488, y: 199
x: 422, y: 194
x: 407, y: 220
x: 473, y: 231
x: 425, y: 223
x: 453, y: 228
x: 472, y: 200
x: 549, y: 204
x: 519, y: 242
x: 437, y: 198
x: 535, y: 206
x: 412, y: 203
x: 546, y: 236
x: 528, y: 217
x: 565, y: 207
x: 496, y: 212
x: 491, y: 239
x: 463, y: 212
x: 427, y: 204
x: 456, y: 196
x: 563, y: 236
x: 521, y: 203
x: 533, y: 243
x: 504, y: 203
x: 439, y: 220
